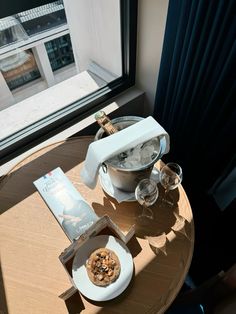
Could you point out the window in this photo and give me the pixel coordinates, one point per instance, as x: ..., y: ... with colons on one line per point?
x: 19, y: 69
x: 60, y: 52
x: 59, y: 63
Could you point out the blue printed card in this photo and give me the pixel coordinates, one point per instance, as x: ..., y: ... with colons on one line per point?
x: 72, y: 212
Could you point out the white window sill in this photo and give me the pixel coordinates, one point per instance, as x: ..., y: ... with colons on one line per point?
x: 40, y: 105
x: 129, y: 102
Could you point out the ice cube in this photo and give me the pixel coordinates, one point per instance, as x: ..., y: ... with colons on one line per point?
x: 136, y: 157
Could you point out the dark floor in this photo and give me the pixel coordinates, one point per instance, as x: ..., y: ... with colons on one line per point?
x: 214, y: 238
x: 214, y: 249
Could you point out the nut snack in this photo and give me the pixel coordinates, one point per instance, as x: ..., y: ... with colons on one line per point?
x: 103, y: 267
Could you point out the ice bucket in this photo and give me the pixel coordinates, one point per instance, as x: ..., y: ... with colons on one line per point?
x: 123, y: 178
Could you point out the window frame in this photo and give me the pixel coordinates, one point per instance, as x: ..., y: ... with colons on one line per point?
x: 32, y: 135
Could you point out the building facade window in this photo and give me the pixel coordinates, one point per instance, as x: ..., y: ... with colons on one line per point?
x: 19, y: 69
x: 60, y: 52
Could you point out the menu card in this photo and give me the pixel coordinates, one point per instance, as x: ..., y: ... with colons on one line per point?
x: 70, y: 209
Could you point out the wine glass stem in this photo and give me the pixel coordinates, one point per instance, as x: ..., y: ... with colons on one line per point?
x: 166, y: 192
x: 147, y: 212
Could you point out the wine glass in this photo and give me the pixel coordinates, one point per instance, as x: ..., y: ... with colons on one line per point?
x: 171, y: 176
x: 146, y: 193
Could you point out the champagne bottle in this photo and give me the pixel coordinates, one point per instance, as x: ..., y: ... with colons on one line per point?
x: 104, y: 121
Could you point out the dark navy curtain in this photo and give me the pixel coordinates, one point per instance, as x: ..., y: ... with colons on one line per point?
x: 195, y: 97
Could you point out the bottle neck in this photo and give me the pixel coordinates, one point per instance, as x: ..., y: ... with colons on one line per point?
x: 105, y: 123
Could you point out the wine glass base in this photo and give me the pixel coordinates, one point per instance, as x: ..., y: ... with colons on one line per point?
x: 146, y: 213
x: 151, y: 216
x: 166, y: 202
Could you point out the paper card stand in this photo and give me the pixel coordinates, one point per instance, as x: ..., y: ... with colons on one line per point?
x: 103, y: 225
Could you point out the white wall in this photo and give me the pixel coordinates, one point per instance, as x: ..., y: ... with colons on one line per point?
x: 6, y: 98
x: 151, y: 26
x: 94, y: 34
x: 89, y: 44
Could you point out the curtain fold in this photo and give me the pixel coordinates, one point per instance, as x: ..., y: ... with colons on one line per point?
x: 196, y: 90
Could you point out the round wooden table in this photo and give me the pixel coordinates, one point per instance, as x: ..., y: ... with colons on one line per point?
x: 31, y: 275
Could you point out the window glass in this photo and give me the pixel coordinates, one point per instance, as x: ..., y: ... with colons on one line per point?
x: 59, y: 60
x: 37, y: 42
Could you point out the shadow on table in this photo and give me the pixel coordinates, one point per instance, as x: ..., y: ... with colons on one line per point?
x: 160, y: 287
x: 117, y: 300
x: 125, y: 214
x: 67, y: 155
x: 160, y: 292
x: 74, y: 304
